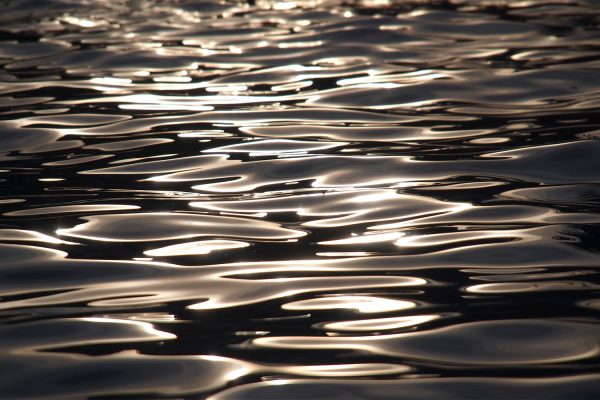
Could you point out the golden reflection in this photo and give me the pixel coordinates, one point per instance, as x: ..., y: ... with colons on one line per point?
x: 458, y: 237
x: 172, y: 79
x: 379, y: 324
x: 362, y: 304
x: 141, y: 227
x: 145, y: 327
x: 110, y: 80
x: 68, y: 209
x: 368, y: 238
x: 343, y: 253
x: 485, y: 343
x: 83, y: 22
x: 275, y: 147
x: 237, y: 373
x: 284, y: 5
x: 195, y: 248
x: 291, y: 45
x: 531, y: 286
x: 20, y: 235
x: 347, y: 370
x: 245, y: 291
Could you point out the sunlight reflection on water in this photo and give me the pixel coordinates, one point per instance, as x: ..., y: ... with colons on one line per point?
x: 313, y: 199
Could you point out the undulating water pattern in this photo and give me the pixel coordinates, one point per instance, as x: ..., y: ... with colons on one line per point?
x: 299, y: 200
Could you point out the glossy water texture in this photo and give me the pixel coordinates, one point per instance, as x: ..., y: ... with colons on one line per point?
x: 318, y: 199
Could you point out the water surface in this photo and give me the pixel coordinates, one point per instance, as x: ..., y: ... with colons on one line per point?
x: 299, y: 200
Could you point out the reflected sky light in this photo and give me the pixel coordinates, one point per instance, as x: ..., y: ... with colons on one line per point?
x: 278, y: 199
x: 363, y: 304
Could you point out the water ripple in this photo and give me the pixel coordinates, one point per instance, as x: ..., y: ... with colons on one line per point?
x: 363, y: 199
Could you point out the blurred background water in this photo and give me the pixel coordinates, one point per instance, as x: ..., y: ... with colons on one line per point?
x: 299, y: 200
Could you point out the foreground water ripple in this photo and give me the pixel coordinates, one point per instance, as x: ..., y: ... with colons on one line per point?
x: 319, y: 199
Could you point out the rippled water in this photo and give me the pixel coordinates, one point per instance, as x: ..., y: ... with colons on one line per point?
x: 313, y: 200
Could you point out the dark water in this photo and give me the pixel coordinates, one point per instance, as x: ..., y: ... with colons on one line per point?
x: 311, y: 200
